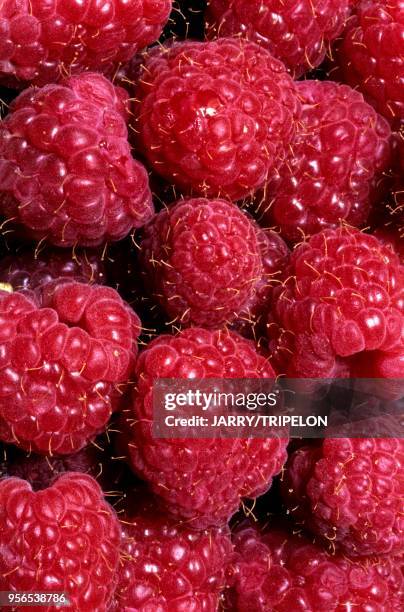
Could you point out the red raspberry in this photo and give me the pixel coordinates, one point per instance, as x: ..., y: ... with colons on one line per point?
x: 334, y: 170
x: 342, y: 300
x: 216, y: 117
x: 275, y: 256
x: 66, y: 170
x: 201, y: 480
x: 189, y: 565
x: 350, y: 492
x: 202, y: 261
x: 61, y: 361
x: 371, y: 56
x: 298, y: 32
x: 62, y: 539
x: 278, y: 571
x: 44, y: 41
x: 26, y: 273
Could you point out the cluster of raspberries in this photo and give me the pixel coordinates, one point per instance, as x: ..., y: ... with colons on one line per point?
x: 199, y: 190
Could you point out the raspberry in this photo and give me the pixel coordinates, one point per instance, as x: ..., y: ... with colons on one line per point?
x: 371, y: 56
x: 190, y: 565
x: 201, y: 480
x: 340, y: 310
x: 274, y: 256
x: 66, y: 170
x: 350, y: 491
x: 276, y: 570
x: 62, y: 361
x: 44, y: 41
x: 334, y: 170
x: 202, y: 261
x: 63, y: 539
x: 216, y: 117
x: 298, y: 32
x: 25, y: 273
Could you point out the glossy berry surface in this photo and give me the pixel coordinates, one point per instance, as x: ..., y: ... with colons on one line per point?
x: 298, y: 32
x: 42, y: 42
x: 202, y: 261
x: 371, y: 56
x: 350, y: 491
x: 66, y: 170
x: 340, y: 309
x: 334, y: 170
x: 216, y: 117
x: 63, y: 539
x: 188, y: 566
x: 62, y: 361
x: 200, y: 480
x: 276, y: 570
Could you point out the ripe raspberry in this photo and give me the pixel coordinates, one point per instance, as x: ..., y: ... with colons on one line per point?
x: 61, y: 363
x: 350, y: 492
x: 66, y: 170
x: 298, y: 32
x: 26, y: 273
x: 371, y: 56
x: 202, y: 261
x: 216, y: 117
x: 190, y: 565
x: 62, y: 539
x: 43, y: 41
x: 278, y: 571
x: 341, y: 309
x: 334, y: 170
x: 274, y: 255
x: 201, y: 480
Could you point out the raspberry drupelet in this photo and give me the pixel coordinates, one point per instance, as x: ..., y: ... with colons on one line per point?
x: 201, y: 261
x: 370, y: 56
x: 340, y: 310
x: 278, y: 570
x: 201, y: 481
x: 42, y: 41
x: 66, y: 170
x: 65, y: 357
x: 335, y: 169
x: 298, y: 32
x: 189, y: 565
x: 62, y: 539
x: 215, y: 118
x: 349, y: 492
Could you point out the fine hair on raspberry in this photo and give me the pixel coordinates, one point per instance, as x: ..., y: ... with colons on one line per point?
x: 67, y: 174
